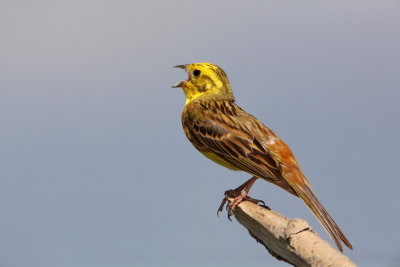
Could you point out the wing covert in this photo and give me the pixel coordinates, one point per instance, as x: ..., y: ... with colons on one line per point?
x: 233, y: 135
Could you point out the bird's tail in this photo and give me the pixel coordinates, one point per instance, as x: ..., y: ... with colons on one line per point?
x: 304, y: 191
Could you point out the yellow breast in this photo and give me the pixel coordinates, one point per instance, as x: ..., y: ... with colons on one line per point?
x: 214, y: 157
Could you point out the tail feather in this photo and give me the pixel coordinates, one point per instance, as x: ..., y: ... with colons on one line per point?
x: 307, y: 195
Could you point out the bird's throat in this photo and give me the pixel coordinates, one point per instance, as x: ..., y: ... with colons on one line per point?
x: 192, y: 95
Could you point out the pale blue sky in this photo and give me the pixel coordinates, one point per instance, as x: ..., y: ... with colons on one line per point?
x: 96, y: 171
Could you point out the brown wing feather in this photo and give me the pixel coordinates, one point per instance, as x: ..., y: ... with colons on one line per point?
x: 226, y: 130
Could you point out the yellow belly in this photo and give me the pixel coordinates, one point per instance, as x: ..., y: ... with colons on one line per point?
x: 214, y: 157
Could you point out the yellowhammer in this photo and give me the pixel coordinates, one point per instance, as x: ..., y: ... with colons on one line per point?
x: 228, y: 135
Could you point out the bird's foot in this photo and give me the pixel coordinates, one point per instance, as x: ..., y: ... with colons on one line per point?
x: 238, y: 197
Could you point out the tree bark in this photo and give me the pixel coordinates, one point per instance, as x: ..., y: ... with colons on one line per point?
x: 289, y: 240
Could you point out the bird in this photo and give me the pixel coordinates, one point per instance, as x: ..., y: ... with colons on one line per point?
x: 226, y: 134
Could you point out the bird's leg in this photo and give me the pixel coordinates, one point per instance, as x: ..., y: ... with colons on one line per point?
x: 239, y: 194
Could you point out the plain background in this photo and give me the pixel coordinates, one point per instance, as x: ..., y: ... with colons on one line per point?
x: 95, y: 169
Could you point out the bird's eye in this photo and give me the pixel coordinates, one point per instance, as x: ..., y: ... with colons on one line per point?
x: 196, y: 73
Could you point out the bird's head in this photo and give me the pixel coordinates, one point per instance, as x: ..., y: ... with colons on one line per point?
x: 205, y: 80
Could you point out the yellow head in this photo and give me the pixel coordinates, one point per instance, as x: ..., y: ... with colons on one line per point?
x: 205, y: 80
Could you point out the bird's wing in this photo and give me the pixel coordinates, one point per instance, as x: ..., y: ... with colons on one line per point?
x: 225, y: 129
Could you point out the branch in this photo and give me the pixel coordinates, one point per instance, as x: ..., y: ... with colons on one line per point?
x: 289, y: 240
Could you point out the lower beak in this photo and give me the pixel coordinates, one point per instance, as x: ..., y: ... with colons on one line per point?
x: 178, y: 84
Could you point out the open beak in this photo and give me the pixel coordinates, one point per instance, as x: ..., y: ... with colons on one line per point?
x: 179, y: 84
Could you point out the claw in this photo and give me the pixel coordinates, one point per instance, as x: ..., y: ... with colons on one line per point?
x: 221, y: 207
x: 237, y: 199
x: 239, y: 195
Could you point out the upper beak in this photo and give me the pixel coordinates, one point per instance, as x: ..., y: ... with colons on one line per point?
x: 181, y: 66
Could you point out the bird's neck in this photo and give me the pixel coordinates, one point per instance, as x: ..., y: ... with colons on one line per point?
x: 211, y: 94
